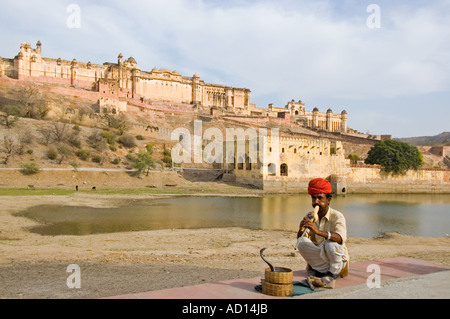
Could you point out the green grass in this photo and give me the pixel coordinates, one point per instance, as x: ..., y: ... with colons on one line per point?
x: 130, y: 191
x: 35, y: 192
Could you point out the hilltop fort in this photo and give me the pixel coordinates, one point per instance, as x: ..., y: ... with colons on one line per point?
x: 160, y: 101
x: 124, y: 81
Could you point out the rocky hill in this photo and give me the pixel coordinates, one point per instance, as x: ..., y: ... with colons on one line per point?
x: 442, y: 139
x: 69, y: 133
x: 59, y: 126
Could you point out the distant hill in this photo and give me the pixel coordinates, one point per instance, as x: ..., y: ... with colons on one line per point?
x: 440, y: 139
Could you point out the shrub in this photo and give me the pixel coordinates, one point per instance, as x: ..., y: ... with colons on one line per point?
x: 131, y: 157
x: 167, y: 152
x: 115, y: 161
x: 97, y: 159
x: 75, y: 142
x: 97, y: 141
x: 167, y: 157
x: 149, y: 148
x: 127, y: 141
x: 52, y: 154
x: 167, y: 160
x: 29, y: 168
x: 83, y: 154
x: 353, y: 158
x: 109, y: 137
x: 140, y: 137
x: 74, y: 164
x: 30, y: 151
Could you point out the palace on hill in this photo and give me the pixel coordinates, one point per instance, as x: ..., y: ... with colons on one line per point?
x: 124, y: 80
x: 311, y: 144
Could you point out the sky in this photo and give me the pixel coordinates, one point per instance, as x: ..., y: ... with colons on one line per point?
x: 387, y: 63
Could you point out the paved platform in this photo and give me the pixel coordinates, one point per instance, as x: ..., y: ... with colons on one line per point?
x: 391, y: 269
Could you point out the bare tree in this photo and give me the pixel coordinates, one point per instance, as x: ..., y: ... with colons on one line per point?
x: 46, y: 134
x: 64, y: 151
x: 9, y: 147
x: 59, y: 131
x: 118, y: 122
x: 54, y: 132
x: 32, y: 102
x: 25, y: 137
x: 82, y: 111
x: 97, y: 141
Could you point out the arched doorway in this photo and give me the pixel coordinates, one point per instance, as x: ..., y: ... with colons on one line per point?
x: 284, y: 170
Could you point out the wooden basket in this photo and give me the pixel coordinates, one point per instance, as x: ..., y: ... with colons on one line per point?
x: 278, y: 283
x: 284, y: 276
x: 278, y: 290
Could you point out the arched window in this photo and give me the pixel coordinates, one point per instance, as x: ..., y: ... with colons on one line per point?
x: 272, y: 169
x: 241, y: 163
x: 248, y: 164
x: 284, y: 170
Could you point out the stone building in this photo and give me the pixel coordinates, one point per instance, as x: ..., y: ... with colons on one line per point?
x: 123, y: 78
x: 284, y: 163
x: 328, y: 121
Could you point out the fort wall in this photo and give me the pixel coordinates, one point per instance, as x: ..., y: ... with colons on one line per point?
x: 131, y: 82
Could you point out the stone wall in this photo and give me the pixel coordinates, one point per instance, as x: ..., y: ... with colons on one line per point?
x: 371, y: 179
x: 158, y: 84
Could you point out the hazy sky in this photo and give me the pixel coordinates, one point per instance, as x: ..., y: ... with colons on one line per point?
x: 388, y: 65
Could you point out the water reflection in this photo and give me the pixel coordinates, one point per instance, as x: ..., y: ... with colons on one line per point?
x: 366, y: 215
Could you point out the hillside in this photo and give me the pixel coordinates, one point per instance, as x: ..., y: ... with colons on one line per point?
x: 64, y: 129
x: 72, y: 135
x: 442, y: 139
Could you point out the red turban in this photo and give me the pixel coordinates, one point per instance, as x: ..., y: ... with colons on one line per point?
x: 319, y: 186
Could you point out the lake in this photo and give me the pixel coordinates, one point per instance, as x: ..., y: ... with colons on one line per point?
x: 367, y: 215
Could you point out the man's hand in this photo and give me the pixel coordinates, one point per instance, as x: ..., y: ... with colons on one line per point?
x: 306, y: 222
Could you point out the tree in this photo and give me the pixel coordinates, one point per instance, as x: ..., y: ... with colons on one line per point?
x: 118, y: 122
x: 64, y: 151
x: 9, y: 117
x: 59, y: 131
x: 395, y: 157
x: 9, y: 147
x: 31, y: 102
x: 354, y: 158
x: 46, y: 134
x: 142, y: 162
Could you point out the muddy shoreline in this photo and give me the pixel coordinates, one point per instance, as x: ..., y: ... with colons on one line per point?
x: 35, y: 266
